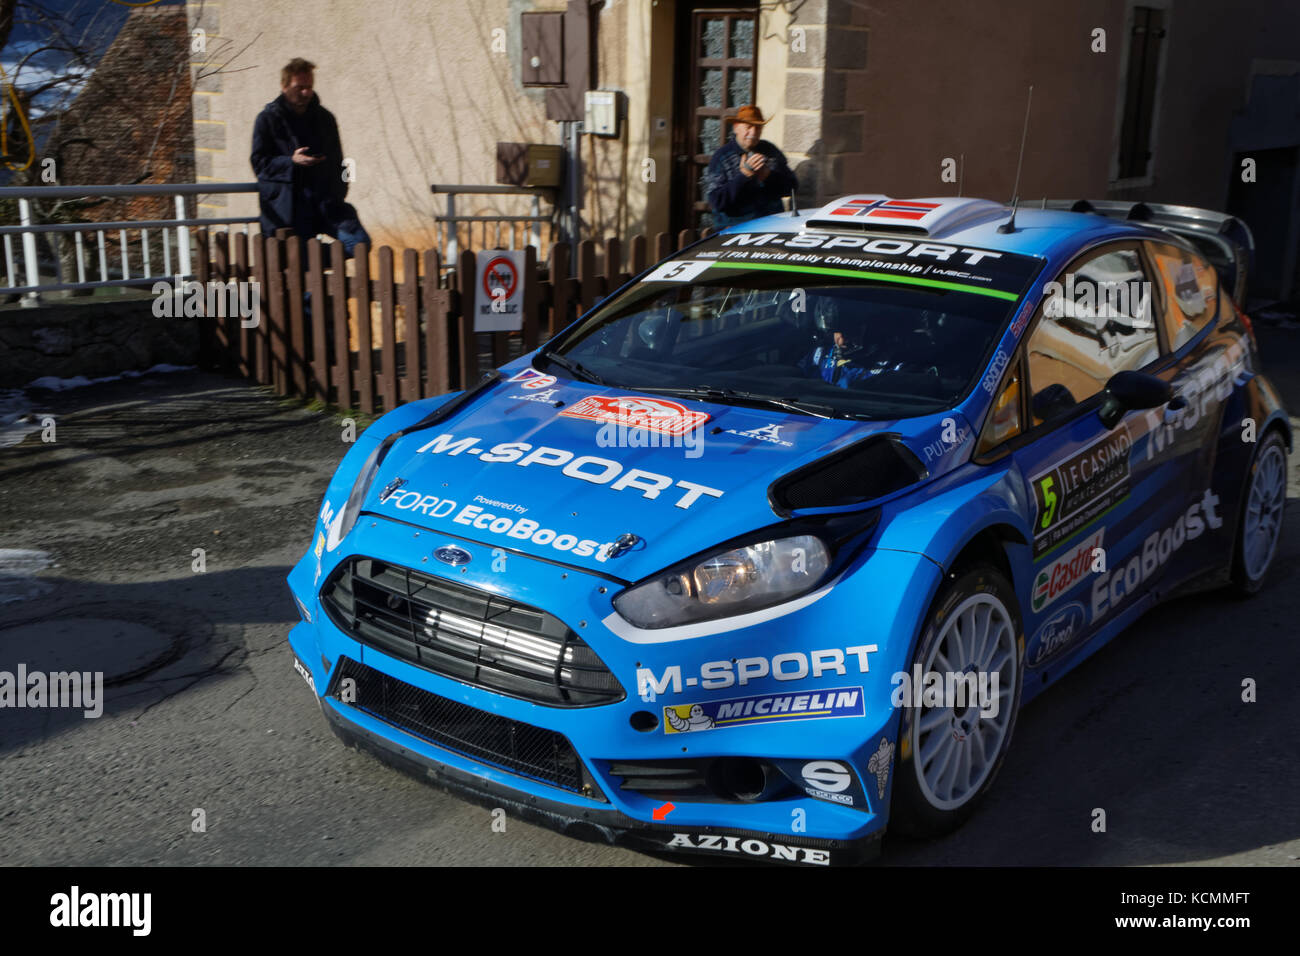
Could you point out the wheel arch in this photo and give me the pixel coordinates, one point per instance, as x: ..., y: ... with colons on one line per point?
x: 994, y: 544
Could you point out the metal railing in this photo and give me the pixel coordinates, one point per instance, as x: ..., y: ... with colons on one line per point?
x: 181, y: 225
x: 448, y: 223
x: 118, y: 273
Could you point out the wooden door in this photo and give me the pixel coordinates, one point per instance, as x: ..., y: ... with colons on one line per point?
x: 715, y: 77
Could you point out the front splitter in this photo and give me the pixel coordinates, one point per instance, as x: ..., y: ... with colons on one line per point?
x: 596, y: 825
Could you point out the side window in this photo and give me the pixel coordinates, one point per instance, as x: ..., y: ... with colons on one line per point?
x: 1191, y: 291
x: 1004, y: 420
x: 1095, y: 320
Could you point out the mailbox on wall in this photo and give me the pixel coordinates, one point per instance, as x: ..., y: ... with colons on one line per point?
x: 601, y: 113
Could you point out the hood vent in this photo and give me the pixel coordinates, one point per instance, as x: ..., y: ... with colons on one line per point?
x: 862, y: 472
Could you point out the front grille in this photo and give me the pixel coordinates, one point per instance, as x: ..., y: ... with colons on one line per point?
x: 466, y: 634
x: 510, y: 744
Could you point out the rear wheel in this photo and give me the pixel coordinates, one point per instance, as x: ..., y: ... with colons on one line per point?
x: 1260, y: 525
x: 950, y: 750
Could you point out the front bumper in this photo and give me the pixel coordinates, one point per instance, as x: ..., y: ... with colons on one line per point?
x: 592, y: 824
x: 794, y: 827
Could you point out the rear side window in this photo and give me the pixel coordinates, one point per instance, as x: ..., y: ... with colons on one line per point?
x: 1190, y: 290
x: 1095, y: 320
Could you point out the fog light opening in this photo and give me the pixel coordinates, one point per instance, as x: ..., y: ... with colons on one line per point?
x: 741, y: 778
x: 644, y: 721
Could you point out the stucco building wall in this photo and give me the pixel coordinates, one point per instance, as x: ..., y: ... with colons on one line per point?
x: 863, y: 97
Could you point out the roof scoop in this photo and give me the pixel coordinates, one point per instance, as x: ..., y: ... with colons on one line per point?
x: 931, y: 217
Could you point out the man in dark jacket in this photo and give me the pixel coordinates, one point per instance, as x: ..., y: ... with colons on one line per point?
x: 747, y: 176
x: 298, y: 160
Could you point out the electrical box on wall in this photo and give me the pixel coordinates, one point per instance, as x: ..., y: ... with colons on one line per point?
x: 601, y: 115
x: 542, y: 47
x: 545, y: 165
x: 530, y: 164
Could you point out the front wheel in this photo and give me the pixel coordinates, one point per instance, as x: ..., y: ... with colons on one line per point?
x: 952, y: 745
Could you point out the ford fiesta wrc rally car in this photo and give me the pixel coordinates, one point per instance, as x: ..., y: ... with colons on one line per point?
x: 764, y: 553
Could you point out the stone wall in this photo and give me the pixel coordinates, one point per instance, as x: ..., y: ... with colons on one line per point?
x: 91, y: 339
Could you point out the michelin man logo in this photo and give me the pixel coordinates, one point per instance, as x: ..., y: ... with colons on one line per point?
x: 879, y: 765
x: 694, y: 719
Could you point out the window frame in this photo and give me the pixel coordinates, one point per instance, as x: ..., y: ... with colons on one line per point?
x: 1117, y: 180
x: 1020, y: 361
x: 1178, y: 242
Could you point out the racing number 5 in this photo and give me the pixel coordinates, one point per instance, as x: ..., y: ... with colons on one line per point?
x: 1049, y: 502
x: 683, y: 270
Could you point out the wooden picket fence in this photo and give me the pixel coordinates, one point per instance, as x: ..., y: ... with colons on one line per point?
x: 312, y: 339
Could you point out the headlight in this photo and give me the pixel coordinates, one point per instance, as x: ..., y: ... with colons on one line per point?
x: 730, y: 582
x: 365, y: 478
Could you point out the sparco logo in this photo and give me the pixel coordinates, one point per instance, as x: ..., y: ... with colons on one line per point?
x: 1000, y: 362
x: 751, y: 847
x: 827, y: 779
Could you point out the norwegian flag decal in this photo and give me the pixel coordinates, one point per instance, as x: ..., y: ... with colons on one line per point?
x: 886, y: 208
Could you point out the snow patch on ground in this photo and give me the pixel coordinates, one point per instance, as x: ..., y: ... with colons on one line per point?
x: 18, y: 568
x: 78, y: 381
x: 17, y: 420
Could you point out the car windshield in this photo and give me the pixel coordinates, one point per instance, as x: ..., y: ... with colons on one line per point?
x: 857, y: 342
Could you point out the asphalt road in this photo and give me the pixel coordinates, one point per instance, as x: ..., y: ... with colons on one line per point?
x: 203, y: 711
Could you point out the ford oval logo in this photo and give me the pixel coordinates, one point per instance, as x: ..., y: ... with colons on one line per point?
x: 1058, y: 632
x: 452, y: 555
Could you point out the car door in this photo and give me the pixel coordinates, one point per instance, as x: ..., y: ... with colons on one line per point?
x: 1204, y: 371
x: 1095, y: 496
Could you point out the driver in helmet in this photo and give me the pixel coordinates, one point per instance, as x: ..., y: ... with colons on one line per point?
x: 841, y: 361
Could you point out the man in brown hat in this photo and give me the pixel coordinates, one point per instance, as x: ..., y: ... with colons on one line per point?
x: 747, y: 176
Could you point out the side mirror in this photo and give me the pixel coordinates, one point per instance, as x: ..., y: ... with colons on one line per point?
x: 1128, y: 391
x: 1052, y: 401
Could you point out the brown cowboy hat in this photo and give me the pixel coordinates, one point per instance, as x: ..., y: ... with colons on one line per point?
x: 748, y: 114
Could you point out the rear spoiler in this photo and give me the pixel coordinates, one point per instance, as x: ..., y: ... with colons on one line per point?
x: 1224, y: 240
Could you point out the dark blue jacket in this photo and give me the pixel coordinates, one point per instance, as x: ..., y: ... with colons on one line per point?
x: 736, y: 197
x: 839, y: 365
x: 306, y: 199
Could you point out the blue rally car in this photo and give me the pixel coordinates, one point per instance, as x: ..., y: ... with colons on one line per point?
x: 764, y: 553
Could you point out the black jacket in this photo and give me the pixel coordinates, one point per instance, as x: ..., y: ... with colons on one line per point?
x: 736, y: 197
x: 303, y: 198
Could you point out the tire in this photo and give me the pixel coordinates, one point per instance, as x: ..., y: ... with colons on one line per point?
x: 931, y: 797
x: 1259, y: 526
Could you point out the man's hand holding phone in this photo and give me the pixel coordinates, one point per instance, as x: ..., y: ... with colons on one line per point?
x: 755, y: 164
x: 303, y: 156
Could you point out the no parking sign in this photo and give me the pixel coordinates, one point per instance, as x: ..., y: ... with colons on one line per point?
x: 499, y: 292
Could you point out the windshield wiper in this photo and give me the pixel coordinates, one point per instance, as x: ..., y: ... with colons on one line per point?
x: 575, y: 368
x: 751, y: 398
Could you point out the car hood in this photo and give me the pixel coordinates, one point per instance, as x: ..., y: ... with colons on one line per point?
x: 516, y: 470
